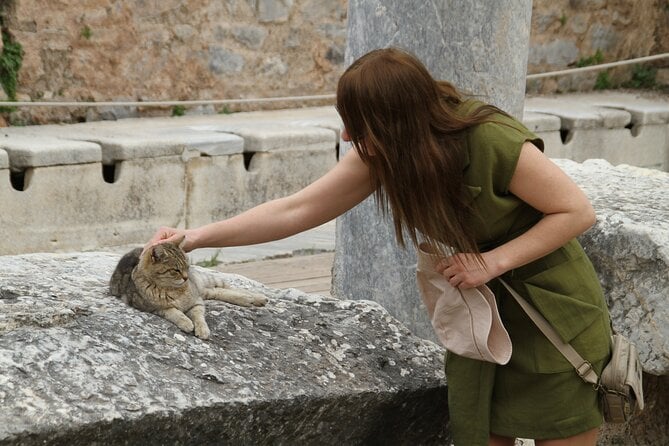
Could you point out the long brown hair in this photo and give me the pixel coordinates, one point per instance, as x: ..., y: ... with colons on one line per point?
x: 404, y: 125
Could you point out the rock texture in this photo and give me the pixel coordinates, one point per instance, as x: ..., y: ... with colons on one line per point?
x: 629, y: 246
x: 77, y: 366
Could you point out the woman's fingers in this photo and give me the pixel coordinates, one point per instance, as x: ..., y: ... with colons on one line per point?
x: 162, y: 235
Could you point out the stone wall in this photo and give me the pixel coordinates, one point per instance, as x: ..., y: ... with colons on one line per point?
x: 568, y: 33
x: 173, y: 49
x: 113, y: 50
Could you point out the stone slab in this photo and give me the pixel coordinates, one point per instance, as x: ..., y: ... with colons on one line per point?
x: 38, y: 151
x: 578, y: 114
x: 204, y: 142
x: 541, y: 122
x: 124, y: 142
x: 77, y: 366
x: 629, y: 246
x: 268, y: 136
x: 644, y: 111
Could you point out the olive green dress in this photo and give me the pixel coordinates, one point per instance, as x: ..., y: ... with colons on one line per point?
x: 537, y: 394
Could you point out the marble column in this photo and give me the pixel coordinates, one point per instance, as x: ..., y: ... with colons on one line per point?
x: 480, y: 46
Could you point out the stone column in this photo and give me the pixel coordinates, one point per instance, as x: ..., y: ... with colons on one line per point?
x: 482, y: 48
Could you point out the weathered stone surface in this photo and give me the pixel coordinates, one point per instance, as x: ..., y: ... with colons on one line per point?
x: 32, y: 151
x: 77, y: 366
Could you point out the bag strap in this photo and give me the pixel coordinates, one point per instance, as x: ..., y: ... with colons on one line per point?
x: 583, y: 367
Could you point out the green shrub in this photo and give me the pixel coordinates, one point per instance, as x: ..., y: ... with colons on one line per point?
x: 642, y: 77
x: 86, y: 32
x: 595, y: 59
x: 10, y: 64
x: 603, y: 81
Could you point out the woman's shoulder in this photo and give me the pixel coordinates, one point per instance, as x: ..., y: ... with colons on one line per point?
x: 501, y: 131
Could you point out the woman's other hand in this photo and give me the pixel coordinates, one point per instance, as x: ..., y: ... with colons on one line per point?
x: 464, y: 270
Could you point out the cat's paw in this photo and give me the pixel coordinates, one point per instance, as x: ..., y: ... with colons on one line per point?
x: 186, y: 325
x: 259, y: 300
x: 202, y: 331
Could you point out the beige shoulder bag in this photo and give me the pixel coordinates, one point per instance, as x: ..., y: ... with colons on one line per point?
x: 620, y: 386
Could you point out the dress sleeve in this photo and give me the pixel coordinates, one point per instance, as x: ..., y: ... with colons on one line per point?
x: 495, y: 146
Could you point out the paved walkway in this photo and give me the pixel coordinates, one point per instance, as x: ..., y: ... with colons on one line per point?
x: 303, y: 261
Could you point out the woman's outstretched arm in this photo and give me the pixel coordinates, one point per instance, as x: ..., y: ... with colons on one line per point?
x: 343, y: 187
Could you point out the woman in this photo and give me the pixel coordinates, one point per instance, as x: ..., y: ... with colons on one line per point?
x: 461, y: 173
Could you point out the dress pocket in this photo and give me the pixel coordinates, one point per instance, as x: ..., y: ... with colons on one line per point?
x: 566, y: 291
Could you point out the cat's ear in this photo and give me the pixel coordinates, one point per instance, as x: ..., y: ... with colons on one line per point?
x: 157, y: 252
x: 180, y: 241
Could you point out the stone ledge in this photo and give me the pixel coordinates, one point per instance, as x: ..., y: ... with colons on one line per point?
x: 78, y: 366
x: 38, y: 151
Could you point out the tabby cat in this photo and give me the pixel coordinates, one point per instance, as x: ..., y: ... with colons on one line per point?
x: 160, y: 281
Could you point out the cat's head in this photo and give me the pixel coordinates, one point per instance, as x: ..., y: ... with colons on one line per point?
x: 166, y: 264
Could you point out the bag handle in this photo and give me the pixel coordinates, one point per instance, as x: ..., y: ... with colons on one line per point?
x: 582, y: 367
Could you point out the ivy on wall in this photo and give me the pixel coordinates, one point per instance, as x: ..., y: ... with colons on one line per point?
x: 10, y: 64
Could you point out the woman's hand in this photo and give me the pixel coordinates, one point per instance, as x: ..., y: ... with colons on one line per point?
x: 463, y: 270
x: 166, y: 234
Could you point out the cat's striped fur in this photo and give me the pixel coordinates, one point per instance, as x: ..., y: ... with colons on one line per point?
x: 161, y: 281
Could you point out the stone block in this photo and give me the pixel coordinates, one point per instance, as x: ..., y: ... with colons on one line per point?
x: 78, y: 366
x: 629, y: 246
x: 133, y: 139
x: 35, y: 151
x: 276, y: 174
x: 622, y: 129
x: 71, y: 207
x: 216, y: 188
x: 270, y: 136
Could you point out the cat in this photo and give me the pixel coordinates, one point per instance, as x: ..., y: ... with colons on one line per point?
x: 160, y: 281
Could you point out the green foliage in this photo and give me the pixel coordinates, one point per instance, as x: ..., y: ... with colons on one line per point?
x: 563, y: 19
x: 10, y: 64
x: 178, y: 110
x: 225, y: 110
x: 642, y: 77
x: 603, y: 81
x: 211, y: 262
x: 595, y: 59
x: 86, y: 32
